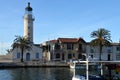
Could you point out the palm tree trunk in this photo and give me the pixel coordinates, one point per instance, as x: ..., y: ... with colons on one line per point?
x: 21, y: 54
x: 100, y: 59
x: 100, y: 52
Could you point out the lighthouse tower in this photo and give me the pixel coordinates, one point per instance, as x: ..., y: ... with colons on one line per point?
x: 28, y: 23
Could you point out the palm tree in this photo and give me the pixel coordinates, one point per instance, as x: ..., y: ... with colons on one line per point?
x: 22, y: 43
x: 8, y: 51
x: 101, y: 38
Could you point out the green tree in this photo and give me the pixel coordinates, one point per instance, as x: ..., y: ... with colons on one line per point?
x: 101, y: 38
x: 8, y: 51
x: 22, y: 43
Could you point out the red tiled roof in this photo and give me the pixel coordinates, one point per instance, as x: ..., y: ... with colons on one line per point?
x: 70, y: 40
x: 54, y: 41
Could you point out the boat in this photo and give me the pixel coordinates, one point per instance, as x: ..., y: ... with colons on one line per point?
x: 77, y: 77
x: 91, y: 77
x: 80, y: 64
x: 77, y: 65
x: 88, y: 76
x: 74, y: 64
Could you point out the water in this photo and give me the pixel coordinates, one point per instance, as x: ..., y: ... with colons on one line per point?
x: 43, y: 73
x: 36, y: 74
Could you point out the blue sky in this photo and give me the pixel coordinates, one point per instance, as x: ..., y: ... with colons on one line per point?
x: 59, y: 18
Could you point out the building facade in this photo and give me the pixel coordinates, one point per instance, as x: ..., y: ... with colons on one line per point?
x: 66, y: 49
x: 111, y: 53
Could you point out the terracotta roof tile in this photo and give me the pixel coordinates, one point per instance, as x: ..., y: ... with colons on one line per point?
x: 54, y: 41
x: 70, y: 40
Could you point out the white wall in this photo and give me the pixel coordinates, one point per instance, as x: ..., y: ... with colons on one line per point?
x: 32, y: 52
x: 105, y: 52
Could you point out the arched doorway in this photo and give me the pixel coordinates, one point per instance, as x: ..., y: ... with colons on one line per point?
x: 57, y: 55
x: 108, y: 57
x: 28, y: 57
x: 79, y: 56
x: 69, y: 56
x: 63, y: 56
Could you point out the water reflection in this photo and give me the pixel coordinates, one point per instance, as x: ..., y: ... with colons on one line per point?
x: 36, y: 74
x: 4, y: 75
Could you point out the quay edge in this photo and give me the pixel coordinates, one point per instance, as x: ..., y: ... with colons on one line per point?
x: 32, y: 65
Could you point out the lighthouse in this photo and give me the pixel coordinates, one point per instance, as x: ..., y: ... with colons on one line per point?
x: 28, y: 23
x: 35, y: 52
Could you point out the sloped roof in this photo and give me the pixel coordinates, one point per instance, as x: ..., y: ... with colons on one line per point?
x: 70, y: 40
x: 54, y: 41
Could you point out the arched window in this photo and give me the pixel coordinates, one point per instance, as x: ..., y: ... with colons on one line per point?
x: 69, y: 56
x: 18, y: 55
x: 57, y: 55
x: 80, y: 47
x: 57, y: 46
x: 92, y: 50
x: 37, y: 56
x: 108, y: 57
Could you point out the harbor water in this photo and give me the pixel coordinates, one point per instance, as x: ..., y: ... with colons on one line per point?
x: 36, y: 74
x: 44, y: 73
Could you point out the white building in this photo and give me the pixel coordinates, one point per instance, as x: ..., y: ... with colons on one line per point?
x: 35, y: 53
x: 111, y: 53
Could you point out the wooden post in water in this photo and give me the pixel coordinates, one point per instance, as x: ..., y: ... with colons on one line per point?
x: 101, y: 65
x: 87, y: 68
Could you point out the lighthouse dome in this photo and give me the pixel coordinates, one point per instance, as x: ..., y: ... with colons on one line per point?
x: 28, y: 8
